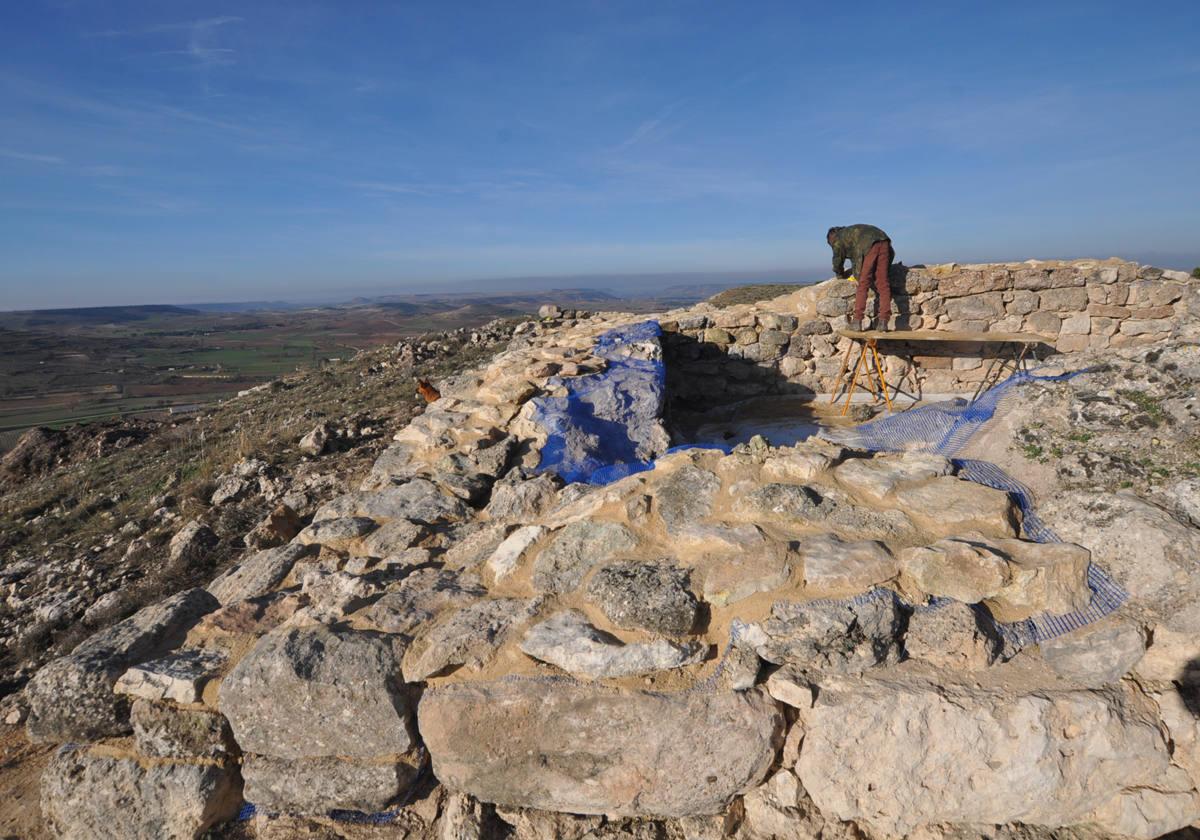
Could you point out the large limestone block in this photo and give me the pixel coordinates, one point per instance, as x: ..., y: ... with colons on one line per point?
x: 964, y: 569
x: 1149, y: 552
x: 318, y: 785
x: 948, y: 506
x: 418, y: 500
x: 257, y: 574
x: 166, y: 731
x: 647, y: 596
x: 561, y: 565
x: 180, y: 676
x: 685, y: 497
x: 419, y: 598
x: 729, y: 578
x: 783, y: 503
x: 799, y: 464
x: 589, y: 750
x: 569, y: 641
x: 837, y: 568
x: 1043, y: 577
x: 87, y: 796
x: 901, y: 755
x: 1098, y: 654
x: 953, y: 635
x: 467, y: 637
x: 874, y: 478
x: 313, y: 691
x: 72, y: 698
x: 838, y: 636
x: 1174, y: 651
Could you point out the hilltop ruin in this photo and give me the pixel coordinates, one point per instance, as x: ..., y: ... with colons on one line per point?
x: 751, y: 640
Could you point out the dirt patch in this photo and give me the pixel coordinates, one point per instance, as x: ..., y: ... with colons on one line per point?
x: 21, y: 766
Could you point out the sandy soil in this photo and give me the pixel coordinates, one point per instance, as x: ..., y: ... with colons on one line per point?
x: 21, y: 765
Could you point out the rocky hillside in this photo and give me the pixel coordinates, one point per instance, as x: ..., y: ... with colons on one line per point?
x: 755, y: 642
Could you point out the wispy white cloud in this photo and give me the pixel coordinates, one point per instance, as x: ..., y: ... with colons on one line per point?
x: 107, y: 171
x: 156, y: 28
x: 30, y: 156
x: 653, y: 129
x: 199, y: 49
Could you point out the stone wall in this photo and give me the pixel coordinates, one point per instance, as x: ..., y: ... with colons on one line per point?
x: 790, y: 344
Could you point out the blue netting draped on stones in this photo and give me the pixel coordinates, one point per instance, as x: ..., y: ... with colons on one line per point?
x: 607, y: 425
x: 597, y: 433
x: 944, y: 429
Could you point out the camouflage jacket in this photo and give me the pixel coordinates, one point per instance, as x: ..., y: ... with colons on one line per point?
x: 852, y: 243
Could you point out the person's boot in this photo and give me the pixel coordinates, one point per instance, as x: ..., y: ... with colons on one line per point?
x: 885, y: 324
x: 861, y: 324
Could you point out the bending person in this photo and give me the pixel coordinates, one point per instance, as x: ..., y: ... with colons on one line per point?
x: 870, y: 253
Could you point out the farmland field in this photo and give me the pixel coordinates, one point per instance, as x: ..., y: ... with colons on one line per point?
x: 65, y: 366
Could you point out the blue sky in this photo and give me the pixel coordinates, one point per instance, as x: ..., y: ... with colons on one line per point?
x: 174, y: 151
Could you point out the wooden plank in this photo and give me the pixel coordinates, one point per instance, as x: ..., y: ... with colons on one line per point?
x: 946, y: 336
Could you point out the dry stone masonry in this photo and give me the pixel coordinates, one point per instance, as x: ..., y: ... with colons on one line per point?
x: 770, y: 642
x: 790, y: 344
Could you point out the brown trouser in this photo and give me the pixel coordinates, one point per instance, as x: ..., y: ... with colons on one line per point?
x: 875, y: 270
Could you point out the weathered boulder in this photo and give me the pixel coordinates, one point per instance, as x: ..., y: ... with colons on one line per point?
x: 315, y: 442
x: 873, y: 479
x: 844, y: 637
x: 257, y: 574
x: 732, y: 577
x: 1098, y: 654
x: 276, y: 528
x: 521, y: 501
x: 780, y: 503
x: 574, y: 549
x: 569, y: 641
x: 417, y: 499
x: 314, y: 691
x: 530, y: 824
x: 229, y: 489
x: 798, y: 464
x: 1043, y: 577
x: 685, y: 497
x: 466, y: 637
x: 86, y: 795
x: 391, y: 538
x: 318, y: 785
x: 961, y: 568
x: 331, y: 594
x: 193, y: 541
x: 1143, y: 547
x: 72, y: 698
x: 164, y: 731
x: 1174, y: 651
x: 508, y: 554
x: 647, y: 596
x: 947, y: 506
x: 899, y: 755
x: 590, y: 750
x: 419, y: 598
x: 836, y: 568
x: 953, y: 635
x: 179, y: 675
x: 338, y: 534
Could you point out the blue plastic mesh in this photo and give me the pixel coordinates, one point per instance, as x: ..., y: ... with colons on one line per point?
x: 605, y: 426
x: 590, y: 437
x: 944, y: 429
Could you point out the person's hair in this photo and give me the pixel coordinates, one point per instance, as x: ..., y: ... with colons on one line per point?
x: 829, y: 234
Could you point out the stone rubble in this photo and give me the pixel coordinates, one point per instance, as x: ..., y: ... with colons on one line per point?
x: 754, y: 644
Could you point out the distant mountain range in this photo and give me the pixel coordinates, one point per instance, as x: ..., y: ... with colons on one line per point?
x: 641, y: 293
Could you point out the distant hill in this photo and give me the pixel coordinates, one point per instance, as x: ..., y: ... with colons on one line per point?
x: 91, y: 316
